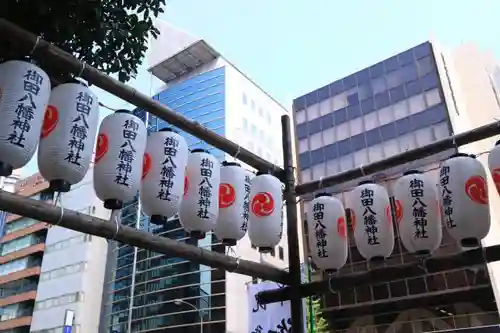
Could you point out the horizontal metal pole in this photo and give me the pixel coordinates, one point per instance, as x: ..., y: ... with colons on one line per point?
x: 25, y: 41
x: 378, y: 275
x: 461, y: 139
x: 45, y: 212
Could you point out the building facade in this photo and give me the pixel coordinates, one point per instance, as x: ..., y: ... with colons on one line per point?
x: 45, y: 271
x: 147, y: 291
x: 406, y: 101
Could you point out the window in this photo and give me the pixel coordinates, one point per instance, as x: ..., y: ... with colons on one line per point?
x: 305, y: 175
x: 407, y: 142
x: 375, y: 153
x: 261, y: 112
x: 315, y: 141
x: 19, y: 224
x: 385, y: 116
x: 346, y: 162
x: 342, y: 131
x: 252, y: 105
x: 391, y: 147
x: 370, y: 121
x: 244, y: 98
x: 432, y: 97
x: 68, y: 242
x: 268, y: 117
x: 416, y: 103
x: 13, y: 266
x: 325, y: 107
x: 300, y: 116
x: 423, y: 136
x: 245, y: 124
x: 303, y: 146
x: 254, y: 130
x: 360, y: 157
x: 63, y: 271
x: 18, y: 244
x: 355, y: 126
x: 318, y: 171
x: 441, y: 131
x: 328, y: 136
x: 312, y: 112
x: 332, y: 167
x: 60, y: 301
x: 401, y: 110
x: 339, y: 101
x: 378, y: 85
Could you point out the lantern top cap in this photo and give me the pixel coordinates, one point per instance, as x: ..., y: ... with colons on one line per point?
x: 322, y: 194
x: 364, y: 182
x: 76, y: 81
x: 227, y: 163
x: 259, y: 173
x: 412, y: 172
x: 200, y: 150
x: 462, y: 155
x: 123, y: 111
x: 497, y: 143
x: 167, y: 129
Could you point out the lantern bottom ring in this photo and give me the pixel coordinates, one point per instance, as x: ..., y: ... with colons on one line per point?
x: 377, y: 259
x: 113, y: 204
x: 197, y: 234
x: 265, y: 249
x: 423, y: 253
x: 59, y: 185
x: 470, y: 242
x: 330, y: 271
x: 157, y: 219
x: 229, y: 242
x: 5, y: 169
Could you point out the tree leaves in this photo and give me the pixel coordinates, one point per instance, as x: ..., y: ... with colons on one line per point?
x: 110, y: 35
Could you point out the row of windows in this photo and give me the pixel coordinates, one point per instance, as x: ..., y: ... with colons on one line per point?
x: 342, y: 115
x: 60, y: 329
x: 14, y: 311
x: 365, y: 76
x: 398, y: 113
x: 81, y: 238
x: 59, y: 301
x: 373, y: 137
x: 63, y: 271
x: 19, y: 224
x: 263, y: 114
x: 19, y: 244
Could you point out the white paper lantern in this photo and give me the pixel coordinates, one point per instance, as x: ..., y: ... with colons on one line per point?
x: 373, y: 230
x: 68, y: 135
x: 24, y: 95
x: 327, y: 233
x: 231, y: 226
x: 420, y: 225
x: 265, y: 224
x: 494, y: 165
x: 162, y: 186
x: 200, y: 206
x: 464, y: 199
x: 119, y: 158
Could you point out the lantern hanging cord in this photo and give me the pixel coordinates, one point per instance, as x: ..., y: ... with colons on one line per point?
x: 423, y: 264
x: 106, y: 107
x: 116, y: 218
x: 238, y: 151
x: 232, y: 253
x: 38, y: 38
x: 58, y: 201
x: 330, y: 287
x: 81, y: 70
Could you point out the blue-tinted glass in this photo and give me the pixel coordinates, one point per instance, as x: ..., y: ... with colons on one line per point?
x: 429, y: 117
x: 326, y: 121
x: 353, y: 111
x: 394, y: 78
x: 331, y: 151
x: 340, y: 116
x: 302, y: 130
x: 367, y: 106
x: 413, y: 88
x: 387, y: 131
x: 397, y: 94
x: 344, y: 147
x: 336, y: 88
x: 364, y: 91
x: 352, y: 99
x: 304, y: 160
x: 422, y: 50
x: 376, y: 70
x: 323, y: 93
x: 317, y: 156
x: 363, y: 76
x: 349, y: 81
x: 382, y: 100
x: 312, y: 98
x: 425, y: 65
x: 428, y: 82
x: 358, y: 142
x: 299, y: 103
x: 314, y: 126
x: 391, y: 64
x: 406, y: 57
x: 373, y: 137
x: 403, y: 126
x: 409, y: 72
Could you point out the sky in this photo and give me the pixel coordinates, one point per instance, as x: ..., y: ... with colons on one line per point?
x: 291, y: 47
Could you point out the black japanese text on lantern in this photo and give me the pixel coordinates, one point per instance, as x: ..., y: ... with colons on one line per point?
x: 284, y: 326
x: 168, y: 169
x: 419, y: 208
x: 444, y: 180
x: 370, y: 219
x: 320, y: 229
x: 246, y: 204
x: 205, y: 188
x: 80, y: 128
x: 26, y: 107
x: 127, y: 152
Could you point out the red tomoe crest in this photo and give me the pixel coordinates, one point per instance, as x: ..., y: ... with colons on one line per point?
x: 341, y: 227
x: 227, y: 195
x: 495, y: 173
x: 476, y: 190
x: 398, y: 212
x: 102, y: 147
x: 50, y: 121
x: 186, y: 184
x: 146, y: 165
x: 262, y: 204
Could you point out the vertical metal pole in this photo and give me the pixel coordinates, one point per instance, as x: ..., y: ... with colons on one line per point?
x: 292, y: 231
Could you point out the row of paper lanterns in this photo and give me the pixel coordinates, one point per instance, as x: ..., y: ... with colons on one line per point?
x: 459, y: 202
x: 62, y: 123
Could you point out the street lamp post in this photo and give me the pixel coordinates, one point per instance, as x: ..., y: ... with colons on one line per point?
x: 179, y: 301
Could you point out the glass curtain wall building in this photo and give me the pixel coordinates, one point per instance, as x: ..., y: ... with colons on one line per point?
x: 395, y: 105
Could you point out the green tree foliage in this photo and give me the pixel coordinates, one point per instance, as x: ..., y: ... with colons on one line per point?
x: 320, y: 323
x: 110, y: 35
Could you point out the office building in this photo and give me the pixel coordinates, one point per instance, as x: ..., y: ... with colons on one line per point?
x: 45, y: 271
x: 409, y: 100
x: 144, y: 286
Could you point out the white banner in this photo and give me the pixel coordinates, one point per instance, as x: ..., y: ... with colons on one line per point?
x: 267, y: 318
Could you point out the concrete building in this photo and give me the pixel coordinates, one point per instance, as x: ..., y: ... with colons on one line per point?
x: 143, y: 286
x: 45, y: 271
x: 409, y: 100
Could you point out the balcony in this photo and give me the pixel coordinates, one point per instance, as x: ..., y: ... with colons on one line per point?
x: 30, y: 272
x: 18, y: 298
x: 30, y: 250
x: 14, y: 318
x: 38, y: 228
